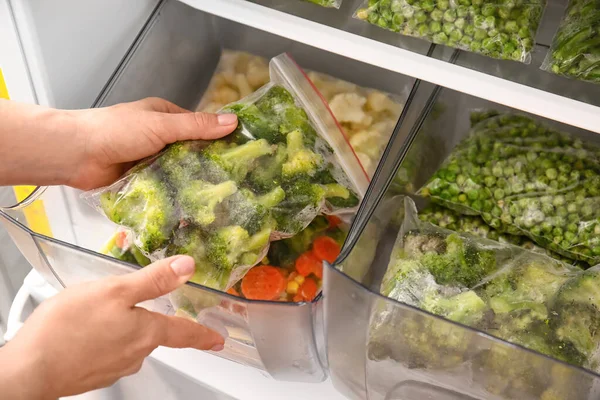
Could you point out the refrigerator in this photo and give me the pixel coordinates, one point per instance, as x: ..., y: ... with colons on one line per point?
x: 71, y: 54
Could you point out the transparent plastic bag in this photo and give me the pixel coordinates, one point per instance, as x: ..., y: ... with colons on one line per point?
x: 222, y: 202
x: 575, y: 50
x: 120, y: 246
x: 525, y: 178
x: 368, y: 116
x: 505, y: 291
x: 327, y: 3
x: 501, y: 29
x: 449, y: 219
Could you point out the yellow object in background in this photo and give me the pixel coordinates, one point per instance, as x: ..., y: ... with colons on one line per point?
x: 35, y: 213
x: 3, y: 89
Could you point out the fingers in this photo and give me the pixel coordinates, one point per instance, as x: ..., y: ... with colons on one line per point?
x: 157, y: 279
x: 193, y: 126
x: 179, y: 332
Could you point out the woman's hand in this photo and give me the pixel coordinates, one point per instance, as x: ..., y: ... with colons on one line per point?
x: 87, y: 149
x: 89, y: 336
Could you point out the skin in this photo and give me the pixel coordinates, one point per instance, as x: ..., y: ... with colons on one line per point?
x: 90, y: 335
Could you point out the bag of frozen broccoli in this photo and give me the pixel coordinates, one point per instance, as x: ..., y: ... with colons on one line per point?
x: 575, y: 50
x: 525, y: 178
x: 498, y: 288
x: 499, y: 29
x: 222, y: 202
x: 367, y: 116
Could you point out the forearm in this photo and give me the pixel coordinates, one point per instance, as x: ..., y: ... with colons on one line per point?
x: 37, y: 144
x: 20, y: 378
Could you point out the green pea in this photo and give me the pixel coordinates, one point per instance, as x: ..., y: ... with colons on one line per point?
x: 437, y: 15
x: 443, y: 4
x: 420, y: 17
x: 462, y: 198
x: 455, y: 35
x: 428, y: 5
x: 488, y: 9
x: 450, y: 15
x: 460, y: 23
x: 423, y: 30
x: 480, y: 34
x: 398, y: 21
x: 440, y: 38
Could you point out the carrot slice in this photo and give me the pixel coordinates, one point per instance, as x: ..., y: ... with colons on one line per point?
x: 334, y: 221
x: 308, y: 290
x: 121, y: 240
x: 233, y: 292
x: 298, y: 299
x: 326, y: 248
x: 263, y: 283
x: 307, y: 263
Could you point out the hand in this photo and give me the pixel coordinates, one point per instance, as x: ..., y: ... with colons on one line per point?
x: 112, y: 138
x: 87, y: 149
x: 89, y: 336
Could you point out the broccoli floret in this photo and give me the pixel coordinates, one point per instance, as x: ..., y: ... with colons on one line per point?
x: 254, y: 124
x: 267, y: 174
x: 236, y: 160
x: 191, y: 241
x: 576, y: 313
x: 276, y: 98
x: 231, y: 246
x: 144, y: 205
x: 181, y: 163
x: 339, y: 196
x: 301, y: 162
x: 465, y: 308
x: 199, y: 199
x: 249, y: 211
x: 302, y: 200
x: 452, y: 260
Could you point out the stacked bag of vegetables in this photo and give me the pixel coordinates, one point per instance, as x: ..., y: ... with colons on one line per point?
x: 523, y: 297
x: 524, y: 178
x: 222, y: 202
x: 575, y: 50
x: 503, y: 29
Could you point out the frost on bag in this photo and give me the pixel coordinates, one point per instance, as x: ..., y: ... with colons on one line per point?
x: 505, y: 291
x: 503, y: 29
x: 575, y: 50
x: 223, y: 201
x: 525, y: 178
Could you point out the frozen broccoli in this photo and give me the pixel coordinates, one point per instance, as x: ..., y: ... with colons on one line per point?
x: 302, y: 198
x: 198, y: 200
x: 232, y: 246
x: 267, y: 174
x: 236, y: 160
x: 254, y: 124
x: 466, y: 307
x: 576, y: 315
x: 144, y: 205
x: 301, y: 162
x: 250, y: 211
x: 181, y: 163
x: 191, y: 241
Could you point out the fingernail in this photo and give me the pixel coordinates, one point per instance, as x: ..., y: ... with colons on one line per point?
x: 227, y: 119
x: 183, y: 265
x: 217, y: 347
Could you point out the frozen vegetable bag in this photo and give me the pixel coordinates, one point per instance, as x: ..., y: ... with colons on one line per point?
x: 503, y: 29
x: 575, y: 50
x: 525, y: 178
x: 222, y: 202
x: 516, y: 295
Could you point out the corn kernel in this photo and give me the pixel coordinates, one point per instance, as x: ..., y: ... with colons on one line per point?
x: 299, y: 279
x: 292, y: 287
x: 265, y: 261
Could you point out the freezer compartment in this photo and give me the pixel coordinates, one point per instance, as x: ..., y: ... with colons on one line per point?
x: 379, y: 348
x: 174, y: 58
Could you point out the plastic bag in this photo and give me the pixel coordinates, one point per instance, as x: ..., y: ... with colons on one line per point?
x: 327, y: 3
x: 575, y: 50
x: 368, y: 116
x: 120, y: 246
x: 222, y: 202
x: 474, y: 225
x: 516, y: 295
x: 504, y: 30
x: 525, y: 178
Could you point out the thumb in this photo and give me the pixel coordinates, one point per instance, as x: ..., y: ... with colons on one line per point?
x: 158, y: 279
x: 195, y: 126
